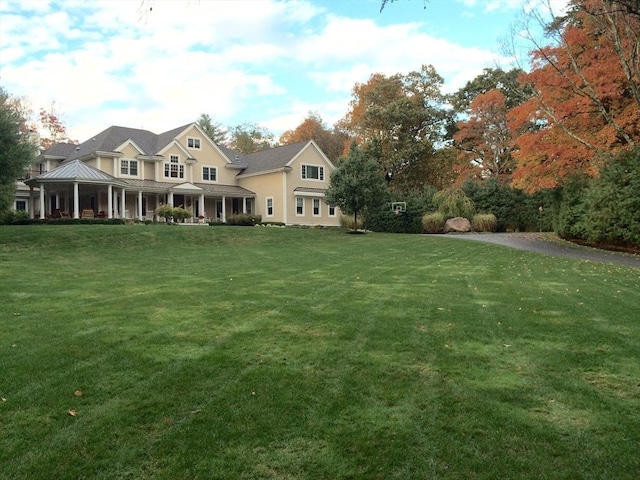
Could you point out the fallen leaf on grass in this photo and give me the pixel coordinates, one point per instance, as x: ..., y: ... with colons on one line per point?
x: 78, y: 393
x: 72, y: 413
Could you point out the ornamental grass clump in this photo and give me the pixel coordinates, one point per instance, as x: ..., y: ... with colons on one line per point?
x: 433, y: 223
x: 484, y: 222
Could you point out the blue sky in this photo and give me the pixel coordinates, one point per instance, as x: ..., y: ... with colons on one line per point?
x: 263, y: 61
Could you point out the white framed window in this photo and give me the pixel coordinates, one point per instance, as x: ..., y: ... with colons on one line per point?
x: 193, y: 142
x: 129, y: 168
x: 209, y: 174
x: 312, y: 172
x: 332, y: 211
x: 316, y: 207
x: 21, y: 205
x: 174, y: 169
x: 269, y: 206
x: 299, y: 206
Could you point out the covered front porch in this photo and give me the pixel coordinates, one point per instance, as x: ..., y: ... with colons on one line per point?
x: 74, y: 190
x: 78, y: 190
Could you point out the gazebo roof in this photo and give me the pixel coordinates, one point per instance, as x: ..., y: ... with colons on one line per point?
x: 75, y: 171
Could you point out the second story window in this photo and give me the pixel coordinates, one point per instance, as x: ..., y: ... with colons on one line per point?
x: 129, y: 167
x: 193, y: 143
x: 209, y: 174
x: 173, y: 169
x: 312, y: 172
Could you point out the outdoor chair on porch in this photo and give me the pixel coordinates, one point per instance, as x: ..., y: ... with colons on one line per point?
x: 57, y: 213
x: 87, y: 213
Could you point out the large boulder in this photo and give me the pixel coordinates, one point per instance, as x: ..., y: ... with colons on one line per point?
x: 457, y: 224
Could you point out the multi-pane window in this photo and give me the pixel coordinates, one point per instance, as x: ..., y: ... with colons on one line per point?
x: 299, y: 206
x: 270, y: 207
x: 316, y: 207
x: 332, y: 211
x: 209, y: 174
x: 21, y: 205
x: 173, y: 169
x: 193, y: 143
x: 312, y: 172
x: 129, y: 167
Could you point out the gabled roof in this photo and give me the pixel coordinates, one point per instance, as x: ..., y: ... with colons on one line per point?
x: 76, y: 170
x: 113, y: 137
x: 271, y: 159
x: 59, y: 150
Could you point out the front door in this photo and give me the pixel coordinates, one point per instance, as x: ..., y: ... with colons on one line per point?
x: 178, y: 201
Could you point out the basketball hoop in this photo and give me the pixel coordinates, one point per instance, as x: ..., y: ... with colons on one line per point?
x: 399, y: 207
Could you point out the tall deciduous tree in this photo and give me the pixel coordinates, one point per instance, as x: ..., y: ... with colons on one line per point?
x: 492, y: 79
x: 587, y: 94
x: 250, y: 137
x: 214, y: 130
x: 331, y: 141
x: 484, y: 139
x: 356, y: 184
x: 399, y: 120
x: 17, y: 147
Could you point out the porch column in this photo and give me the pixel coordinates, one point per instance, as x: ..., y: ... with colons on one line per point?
x: 58, y: 201
x: 140, y: 205
x: 202, y: 212
x: 123, y: 205
x: 170, y: 199
x: 224, y: 209
x: 31, y: 203
x: 76, y: 201
x: 244, y: 205
x: 110, y: 201
x: 41, y: 202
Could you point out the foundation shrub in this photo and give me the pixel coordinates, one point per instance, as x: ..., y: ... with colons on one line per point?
x: 244, y: 219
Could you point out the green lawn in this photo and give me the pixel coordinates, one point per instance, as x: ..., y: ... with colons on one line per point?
x: 267, y: 353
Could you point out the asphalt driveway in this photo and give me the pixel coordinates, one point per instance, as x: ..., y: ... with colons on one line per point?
x: 549, y: 244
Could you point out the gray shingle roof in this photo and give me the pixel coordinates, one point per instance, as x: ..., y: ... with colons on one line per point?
x: 60, y: 150
x: 271, y: 159
x: 111, y: 138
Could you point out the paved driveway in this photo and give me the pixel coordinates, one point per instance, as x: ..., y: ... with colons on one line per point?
x: 549, y: 244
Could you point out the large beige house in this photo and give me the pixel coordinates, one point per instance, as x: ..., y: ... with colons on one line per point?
x: 127, y: 173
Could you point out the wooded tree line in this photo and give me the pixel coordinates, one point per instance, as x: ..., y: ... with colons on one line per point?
x: 529, y: 129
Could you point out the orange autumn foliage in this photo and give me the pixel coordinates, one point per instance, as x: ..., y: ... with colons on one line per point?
x: 484, y: 140
x: 586, y: 102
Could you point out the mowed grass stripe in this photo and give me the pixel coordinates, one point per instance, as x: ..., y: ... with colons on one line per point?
x: 293, y: 353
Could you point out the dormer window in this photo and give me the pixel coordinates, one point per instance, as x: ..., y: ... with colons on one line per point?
x: 193, y: 143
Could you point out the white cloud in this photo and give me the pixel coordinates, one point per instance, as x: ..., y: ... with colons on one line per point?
x: 265, y: 61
